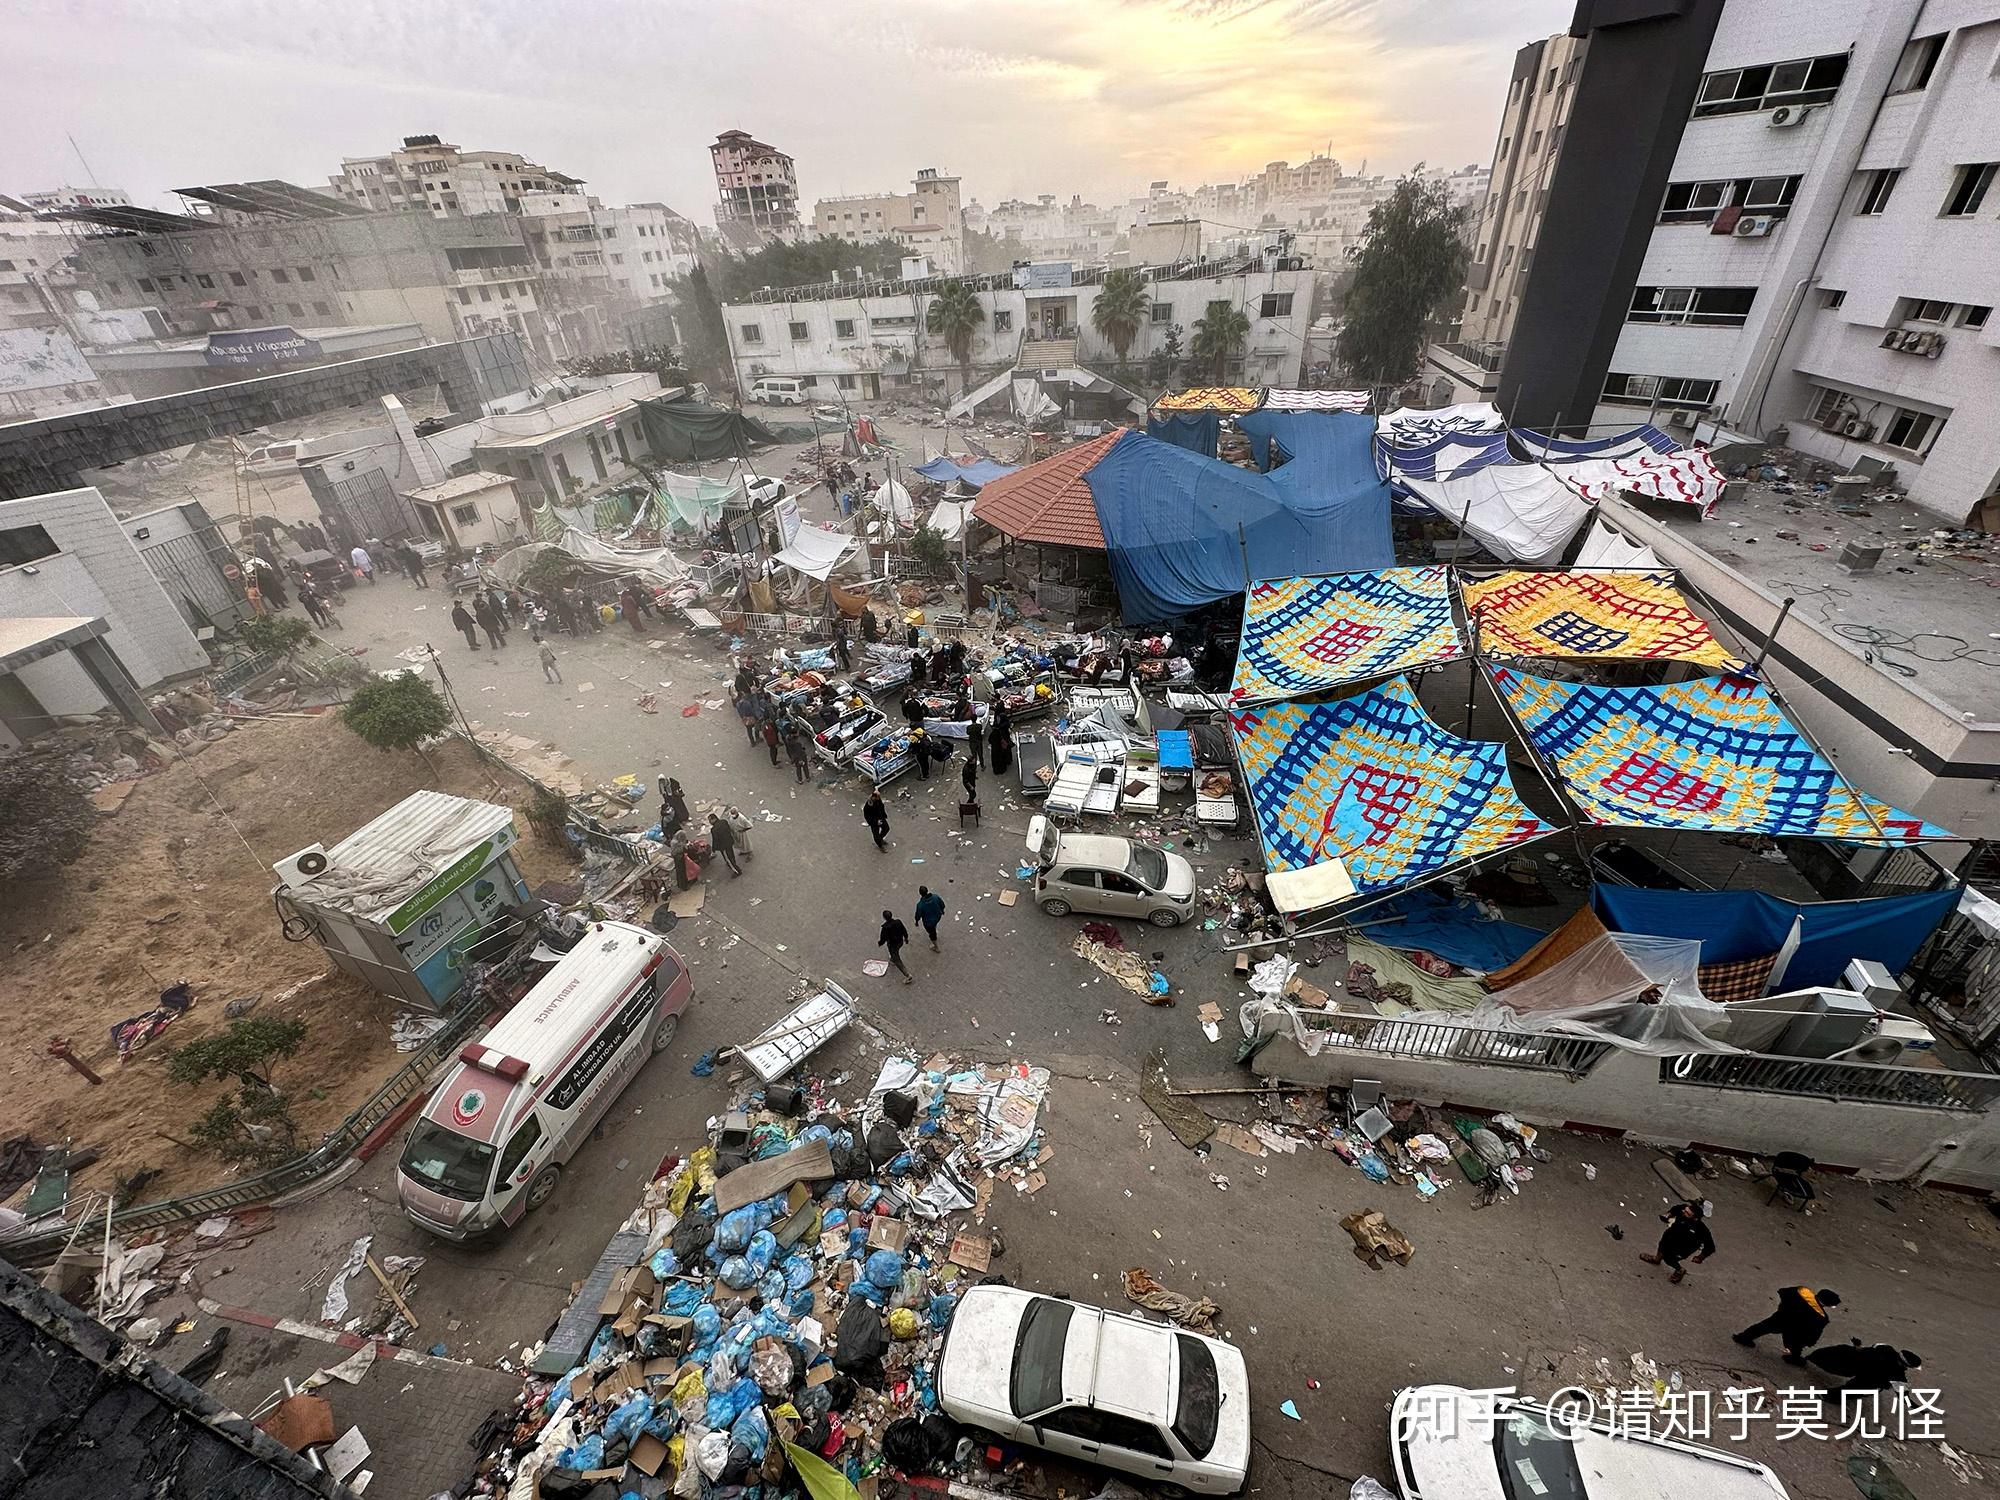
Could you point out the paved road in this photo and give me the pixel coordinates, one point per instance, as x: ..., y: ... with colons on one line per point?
x: 1533, y: 1291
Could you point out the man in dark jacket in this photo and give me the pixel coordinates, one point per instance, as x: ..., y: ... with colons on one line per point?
x: 1686, y: 1238
x: 894, y: 935
x: 464, y: 623
x: 1799, y: 1321
x: 489, y: 620
x: 876, y: 816
x: 930, y: 911
x: 722, y: 839
x: 1867, y: 1367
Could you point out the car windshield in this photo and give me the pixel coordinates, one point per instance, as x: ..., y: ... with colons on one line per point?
x: 1148, y: 866
x: 1536, y: 1461
x: 447, y: 1162
x: 1200, y: 1400
x: 1038, y: 1357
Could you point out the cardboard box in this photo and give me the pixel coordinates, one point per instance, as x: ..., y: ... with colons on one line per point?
x: 647, y: 1454
x: 885, y: 1233
x: 972, y: 1251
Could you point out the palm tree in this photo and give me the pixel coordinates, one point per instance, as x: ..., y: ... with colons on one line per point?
x: 1219, y: 333
x: 955, y: 315
x: 1121, y: 307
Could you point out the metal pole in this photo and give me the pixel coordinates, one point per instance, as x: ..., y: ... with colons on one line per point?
x: 1771, y: 635
x: 1472, y: 671
x: 1243, y: 546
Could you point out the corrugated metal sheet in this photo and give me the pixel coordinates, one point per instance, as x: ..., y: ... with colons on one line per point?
x: 1049, y: 502
x: 375, y: 868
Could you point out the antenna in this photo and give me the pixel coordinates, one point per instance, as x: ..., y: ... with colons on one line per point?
x: 79, y: 156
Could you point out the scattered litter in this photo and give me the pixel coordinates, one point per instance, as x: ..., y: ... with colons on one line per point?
x: 1376, y: 1240
x: 334, y: 1308
x: 1290, y: 1409
x: 1198, y: 1313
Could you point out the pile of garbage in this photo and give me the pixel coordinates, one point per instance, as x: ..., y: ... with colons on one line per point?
x: 788, y: 1339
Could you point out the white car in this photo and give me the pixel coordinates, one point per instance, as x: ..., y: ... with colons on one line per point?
x: 1455, y: 1444
x: 1108, y: 1388
x: 1103, y: 873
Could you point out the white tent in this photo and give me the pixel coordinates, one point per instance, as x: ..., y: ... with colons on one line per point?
x: 1605, y: 548
x: 815, y: 551
x: 894, y: 501
x: 1032, y: 403
x: 1518, y: 512
x: 948, y: 518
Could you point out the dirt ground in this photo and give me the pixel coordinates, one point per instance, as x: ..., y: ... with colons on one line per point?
x: 176, y: 886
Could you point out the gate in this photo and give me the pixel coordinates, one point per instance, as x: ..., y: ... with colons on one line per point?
x: 190, y: 568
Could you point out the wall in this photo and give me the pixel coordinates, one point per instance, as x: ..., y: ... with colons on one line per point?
x: 98, y: 573
x: 1624, y: 1092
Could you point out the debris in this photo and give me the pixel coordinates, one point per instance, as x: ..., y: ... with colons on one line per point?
x: 334, y: 1308
x: 1190, y: 1124
x: 1198, y: 1313
x: 1377, y: 1240
x: 1290, y: 1409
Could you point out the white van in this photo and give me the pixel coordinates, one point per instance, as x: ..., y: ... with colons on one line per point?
x: 780, y: 390
x: 491, y: 1143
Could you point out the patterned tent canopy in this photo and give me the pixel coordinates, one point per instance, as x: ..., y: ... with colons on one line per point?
x: 1305, y: 635
x: 1688, y: 475
x: 1370, y: 794
x: 1277, y: 398
x: 1587, y: 615
x: 1222, y: 398
x: 1713, y: 754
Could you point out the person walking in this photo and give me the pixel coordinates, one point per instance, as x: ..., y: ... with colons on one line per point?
x: 741, y: 827
x: 464, y: 623
x: 364, y: 565
x: 315, y: 606
x: 538, y: 621
x: 894, y: 935
x: 930, y: 911
x: 799, y: 749
x: 1000, y: 739
x: 746, y: 710
x: 975, y: 742
x: 769, y: 730
x: 1799, y: 1322
x: 673, y: 806
x: 969, y: 778
x: 489, y: 621
x: 722, y: 839
x: 913, y: 710
x: 550, y: 670
x: 413, y: 565
x: 1686, y: 1239
x: 843, y: 648
x: 876, y: 816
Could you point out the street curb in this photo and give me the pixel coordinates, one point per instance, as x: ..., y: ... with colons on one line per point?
x: 397, y: 1118
x: 350, y: 1341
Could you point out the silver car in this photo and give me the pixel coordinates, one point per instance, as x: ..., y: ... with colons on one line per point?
x: 1114, y: 876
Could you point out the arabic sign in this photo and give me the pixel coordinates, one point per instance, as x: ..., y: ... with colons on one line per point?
x: 39, y: 359
x: 1044, y: 274
x: 261, y: 346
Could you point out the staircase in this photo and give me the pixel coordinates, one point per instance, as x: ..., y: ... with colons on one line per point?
x: 1046, y: 354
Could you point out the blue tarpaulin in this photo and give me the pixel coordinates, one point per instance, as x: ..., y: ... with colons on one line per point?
x: 1451, y: 928
x: 1733, y: 925
x: 1446, y: 456
x: 1535, y: 447
x: 1182, y: 530
x: 1196, y: 431
x: 980, y: 471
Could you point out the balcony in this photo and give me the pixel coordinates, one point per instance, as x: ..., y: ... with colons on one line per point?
x: 1473, y: 365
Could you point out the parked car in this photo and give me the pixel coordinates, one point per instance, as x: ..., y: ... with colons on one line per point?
x: 1454, y: 1444
x: 1104, y: 1387
x: 776, y: 390
x: 763, y: 491
x: 1114, y: 876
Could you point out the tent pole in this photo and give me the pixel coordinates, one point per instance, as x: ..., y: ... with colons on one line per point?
x: 1556, y: 789
x: 1784, y: 610
x: 1472, y: 670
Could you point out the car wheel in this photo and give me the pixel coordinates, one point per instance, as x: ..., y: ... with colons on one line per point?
x: 1171, y: 1492
x: 1055, y: 906
x: 543, y: 1185
x: 663, y: 1034
x: 1164, y: 918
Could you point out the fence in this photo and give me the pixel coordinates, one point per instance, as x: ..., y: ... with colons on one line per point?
x: 1574, y: 1056
x: 339, y: 1144
x: 1856, y: 1082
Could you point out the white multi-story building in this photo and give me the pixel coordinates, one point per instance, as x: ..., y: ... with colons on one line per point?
x: 72, y: 197
x: 431, y: 174
x: 927, y: 220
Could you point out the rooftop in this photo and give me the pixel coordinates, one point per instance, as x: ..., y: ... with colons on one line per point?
x: 1925, y: 616
x: 1049, y: 502
x: 457, y: 485
x: 30, y: 638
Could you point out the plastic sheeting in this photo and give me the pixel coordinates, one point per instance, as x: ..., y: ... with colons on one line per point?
x: 1592, y: 616
x: 1455, y: 929
x: 1443, y: 457
x: 892, y: 500
x: 1536, y: 447
x: 980, y: 471
x: 1031, y: 402
x: 689, y: 501
x: 815, y: 551
x: 1196, y: 431
x: 1373, y: 787
x: 1688, y: 476
x: 948, y: 518
x: 1277, y: 398
x: 1182, y: 531
x: 1518, y: 512
x: 1233, y: 399
x: 678, y: 430
x: 1605, y: 548
x: 1305, y: 635
x: 1714, y: 754
x: 1407, y: 424
x: 1735, y: 925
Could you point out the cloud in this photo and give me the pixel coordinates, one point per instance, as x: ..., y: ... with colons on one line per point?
x: 1016, y: 96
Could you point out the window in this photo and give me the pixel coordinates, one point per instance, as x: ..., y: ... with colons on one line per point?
x: 1912, y: 431
x: 1739, y: 91
x: 1549, y: 83
x: 466, y: 514
x: 305, y: 273
x: 1915, y: 66
x: 25, y: 544
x: 485, y: 294
x: 280, y: 275
x: 1923, y: 310
x: 1698, y: 202
x: 1831, y: 297
x: 893, y: 322
x: 800, y: 333
x: 1661, y: 390
x: 1974, y: 316
x: 205, y: 281
x: 1035, y: 1380
x: 1162, y: 312
x: 1704, y: 306
x: 144, y: 285
x: 1876, y: 188
x: 847, y: 382
x: 525, y: 1140
x: 1535, y: 144
x: 1275, y: 305
x: 1085, y: 878
x: 1762, y: 194
x: 254, y: 310
x: 294, y: 310
x: 1968, y: 189
x: 752, y: 333
x: 320, y: 309
x: 1200, y: 1405
x: 624, y: 453
x: 1003, y: 320
x: 1828, y: 406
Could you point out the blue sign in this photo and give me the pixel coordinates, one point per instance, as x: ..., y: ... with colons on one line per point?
x: 260, y: 346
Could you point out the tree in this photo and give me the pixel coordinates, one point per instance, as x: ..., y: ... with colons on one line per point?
x: 397, y: 713
x: 1218, y: 334
x: 1164, y: 361
x: 45, y: 819
x: 788, y: 263
x: 701, y: 318
x: 552, y: 570
x: 1409, y: 264
x: 255, y: 1123
x: 277, y: 635
x: 954, y: 315
x: 989, y: 254
x: 929, y: 552
x: 1121, y: 307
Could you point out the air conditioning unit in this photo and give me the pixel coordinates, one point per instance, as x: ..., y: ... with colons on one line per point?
x: 303, y: 867
x: 1930, y: 345
x: 1754, y: 226
x: 1893, y: 339
x: 1857, y: 429
x: 1682, y: 416
x: 1785, y: 116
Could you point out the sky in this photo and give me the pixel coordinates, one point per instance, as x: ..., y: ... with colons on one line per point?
x: 1017, y: 97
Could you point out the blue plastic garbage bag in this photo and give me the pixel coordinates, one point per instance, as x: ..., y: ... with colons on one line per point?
x: 683, y: 1297
x: 629, y: 1418
x: 884, y: 1269
x: 606, y: 1337
x: 761, y: 1251
x: 942, y: 1307
x: 707, y: 1323
x: 724, y: 1407
x: 1373, y: 1168
x: 857, y: 1244
x: 664, y: 1263
x: 833, y: 1218
x: 560, y: 1390
x: 816, y: 1133
x: 664, y: 1422
x: 903, y: 1164
x: 798, y: 1270
x: 801, y: 1304
x: 771, y: 1286
x: 588, y: 1454
x: 753, y: 1432
x: 736, y: 1273
x: 735, y: 1229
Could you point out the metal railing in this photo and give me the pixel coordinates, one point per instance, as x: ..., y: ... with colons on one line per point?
x: 1485, y: 356
x: 1574, y: 1056
x: 338, y: 1144
x: 995, y: 281
x: 1845, y: 1082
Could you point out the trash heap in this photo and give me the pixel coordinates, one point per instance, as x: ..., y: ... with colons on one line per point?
x: 787, y: 1341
